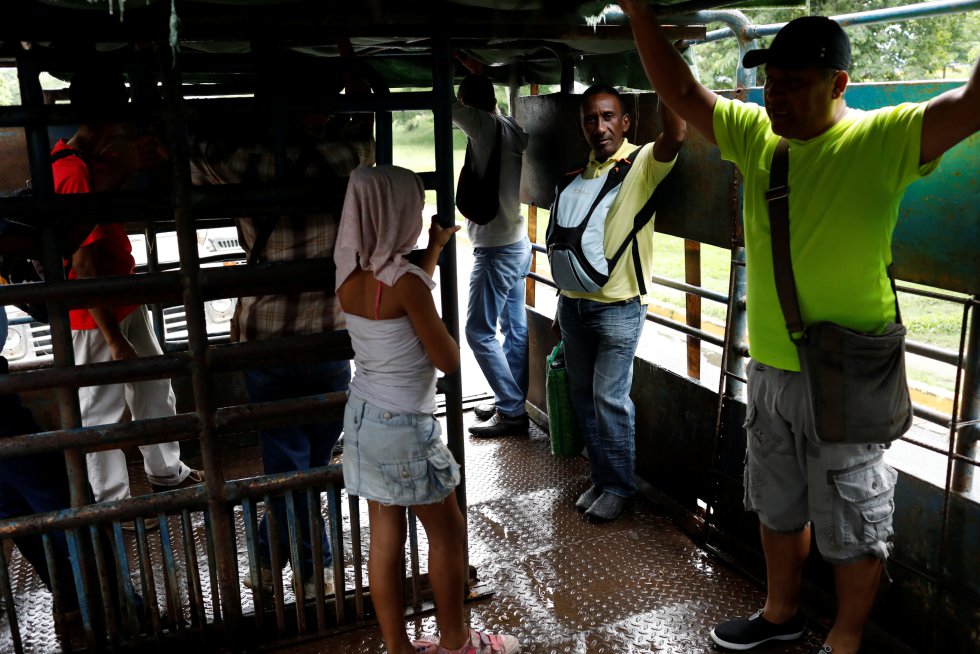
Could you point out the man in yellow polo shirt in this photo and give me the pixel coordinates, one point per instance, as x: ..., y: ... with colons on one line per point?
x: 848, y: 170
x: 601, y: 327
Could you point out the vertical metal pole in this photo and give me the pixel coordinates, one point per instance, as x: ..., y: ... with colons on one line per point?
x: 967, y: 437
x: 532, y: 232
x: 39, y: 149
x: 221, y: 519
x: 442, y: 76
x: 144, y: 93
x: 692, y: 315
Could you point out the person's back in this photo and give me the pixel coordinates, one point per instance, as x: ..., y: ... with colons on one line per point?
x: 394, y: 455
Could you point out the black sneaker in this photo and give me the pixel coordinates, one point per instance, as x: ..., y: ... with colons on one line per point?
x: 824, y: 649
x: 746, y: 634
x: 484, y: 411
x: 501, y: 425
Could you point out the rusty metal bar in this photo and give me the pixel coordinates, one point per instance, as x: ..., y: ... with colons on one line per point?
x: 225, y: 549
x: 127, y: 596
x: 106, y: 591
x: 316, y: 542
x: 272, y: 532
x: 101, y: 437
x: 532, y: 233
x: 250, y: 517
x: 966, y: 439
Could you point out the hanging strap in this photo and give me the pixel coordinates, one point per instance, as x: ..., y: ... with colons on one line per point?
x: 777, y: 198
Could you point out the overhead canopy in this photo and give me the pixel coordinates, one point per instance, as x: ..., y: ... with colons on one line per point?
x: 524, y: 41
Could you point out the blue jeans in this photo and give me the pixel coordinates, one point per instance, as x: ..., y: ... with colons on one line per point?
x: 600, y: 342
x: 497, y: 295
x: 296, y: 447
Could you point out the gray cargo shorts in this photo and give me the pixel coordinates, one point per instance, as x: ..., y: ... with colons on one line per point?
x: 846, y: 491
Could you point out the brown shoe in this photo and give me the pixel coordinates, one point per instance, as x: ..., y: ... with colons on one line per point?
x: 148, y: 523
x: 193, y: 479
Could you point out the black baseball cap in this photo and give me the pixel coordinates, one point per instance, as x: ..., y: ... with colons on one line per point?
x: 807, y: 42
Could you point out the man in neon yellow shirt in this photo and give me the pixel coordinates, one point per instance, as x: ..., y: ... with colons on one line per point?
x: 848, y: 171
x: 601, y: 328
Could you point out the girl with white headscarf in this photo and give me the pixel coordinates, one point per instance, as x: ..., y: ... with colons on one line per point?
x: 394, y: 456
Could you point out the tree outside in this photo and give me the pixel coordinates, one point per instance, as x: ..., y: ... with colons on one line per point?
x: 943, y: 47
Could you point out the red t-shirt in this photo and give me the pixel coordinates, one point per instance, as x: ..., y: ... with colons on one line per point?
x: 72, y: 175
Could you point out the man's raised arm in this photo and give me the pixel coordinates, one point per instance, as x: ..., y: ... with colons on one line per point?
x: 668, y: 73
x: 950, y: 118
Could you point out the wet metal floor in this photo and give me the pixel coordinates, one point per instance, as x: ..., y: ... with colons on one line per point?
x: 565, y: 586
x: 559, y: 583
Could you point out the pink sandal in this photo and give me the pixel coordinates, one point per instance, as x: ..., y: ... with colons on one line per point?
x: 481, y: 642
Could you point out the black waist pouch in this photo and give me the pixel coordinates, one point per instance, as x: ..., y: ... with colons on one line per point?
x: 856, y: 389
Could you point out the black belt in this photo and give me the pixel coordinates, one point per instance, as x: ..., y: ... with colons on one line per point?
x: 635, y: 298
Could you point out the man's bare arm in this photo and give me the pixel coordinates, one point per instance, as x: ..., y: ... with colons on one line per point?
x: 668, y: 73
x: 950, y: 118
x: 670, y: 140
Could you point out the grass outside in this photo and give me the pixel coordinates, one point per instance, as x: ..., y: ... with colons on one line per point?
x: 931, y: 321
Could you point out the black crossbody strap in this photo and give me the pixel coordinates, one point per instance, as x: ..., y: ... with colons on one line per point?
x: 777, y: 197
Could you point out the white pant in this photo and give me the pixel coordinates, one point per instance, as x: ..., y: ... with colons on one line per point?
x: 105, y: 405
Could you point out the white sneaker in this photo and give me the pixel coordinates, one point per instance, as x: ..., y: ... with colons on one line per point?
x: 309, y: 590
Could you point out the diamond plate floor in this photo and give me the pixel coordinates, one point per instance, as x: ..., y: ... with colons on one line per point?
x: 565, y: 586
x: 561, y: 584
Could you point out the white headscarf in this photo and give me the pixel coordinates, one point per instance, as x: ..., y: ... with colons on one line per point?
x: 380, y: 224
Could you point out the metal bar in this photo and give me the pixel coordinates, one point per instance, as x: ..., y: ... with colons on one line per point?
x: 276, y: 564
x: 413, y: 554
x: 354, y: 506
x: 194, y: 595
x: 337, y: 548
x: 692, y: 314
x: 212, y: 567
x: 93, y: 374
x: 690, y: 289
x: 225, y: 552
x: 250, y: 518
x: 296, y: 558
x: 83, y: 583
x: 532, y: 234
x: 105, y: 589
x: 316, y: 527
x: 892, y: 14
x: 684, y: 329
x: 442, y: 75
x: 148, y: 583
x: 56, y: 589
x: 171, y: 587
x: 8, y: 599
x: 966, y: 439
x: 128, y: 596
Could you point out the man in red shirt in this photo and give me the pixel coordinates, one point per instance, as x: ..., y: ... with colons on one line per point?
x: 113, y: 332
